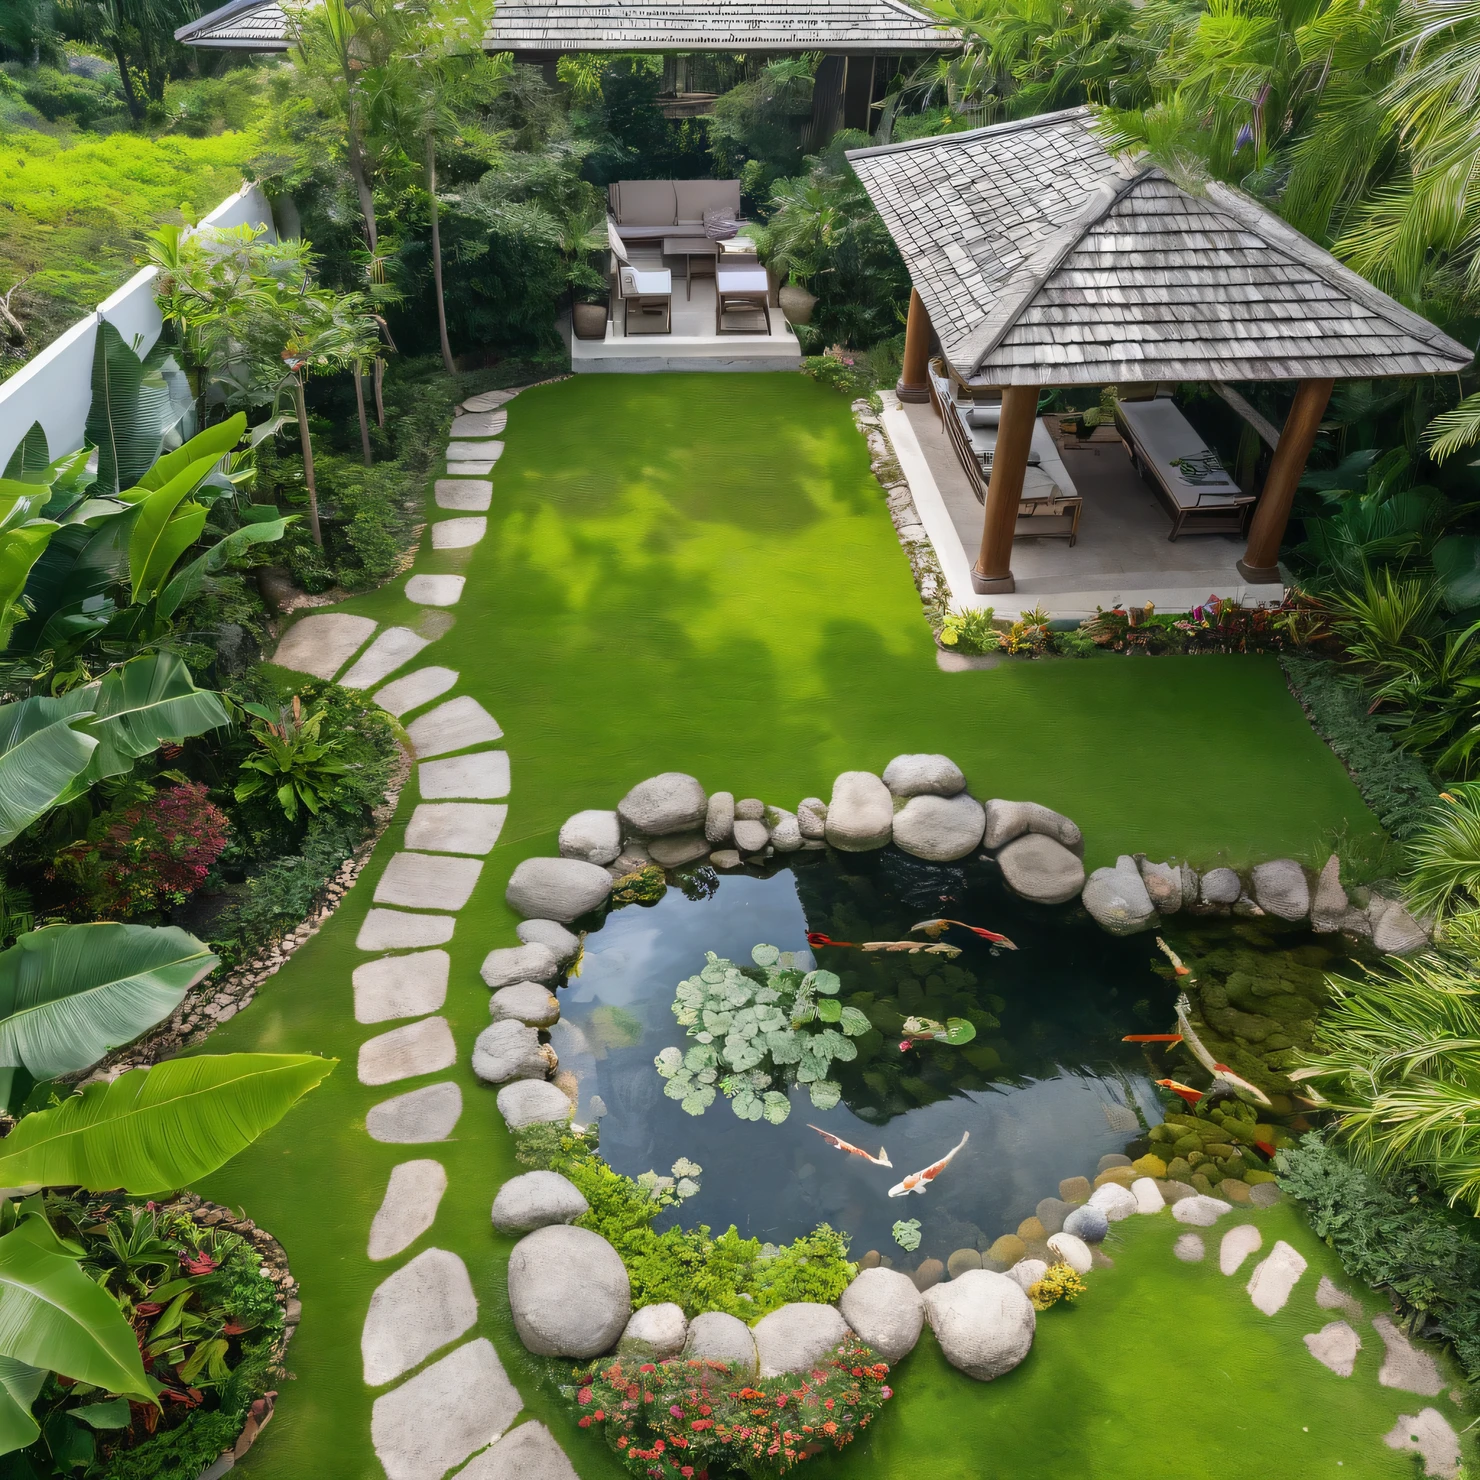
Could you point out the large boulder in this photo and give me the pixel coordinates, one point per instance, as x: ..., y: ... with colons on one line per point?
x: 1329, y: 905
x: 751, y: 836
x: 527, y: 963
x: 557, y: 888
x: 939, y: 828
x: 719, y: 820
x: 1073, y: 1251
x: 1027, y: 1272
x: 536, y: 1200
x: 1038, y: 868
x: 1395, y: 932
x: 786, y: 832
x: 670, y: 803
x: 983, y: 1321
x: 796, y: 1337
x: 885, y: 1312
x: 924, y: 775
x: 1221, y: 886
x: 562, y: 944
x: 510, y: 1050
x: 593, y: 835
x: 1118, y: 900
x: 1009, y: 820
x: 1163, y: 883
x: 1280, y: 889
x: 860, y: 815
x: 655, y: 1332
x: 530, y: 1003
x: 1114, y: 1200
x: 533, y: 1102
x: 568, y: 1291
x: 717, y: 1337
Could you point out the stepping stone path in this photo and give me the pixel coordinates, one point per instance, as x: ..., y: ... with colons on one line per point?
x: 1335, y: 1346
x: 423, y: 1306
x: 405, y: 1053
x: 401, y: 986
x: 1189, y: 1248
x: 528, y: 1453
x: 456, y: 725
x: 321, y: 644
x: 428, y: 881
x: 472, y: 494
x: 392, y: 930
x: 1405, y: 1366
x: 455, y: 827
x: 436, y: 591
x: 1275, y: 1277
x: 409, y: 1208
x: 476, y: 469
x: 429, y: 1114
x: 458, y: 534
x: 415, y: 690
x: 1427, y: 1433
x: 488, y: 452
x: 1238, y: 1243
x: 394, y: 647
x: 481, y: 776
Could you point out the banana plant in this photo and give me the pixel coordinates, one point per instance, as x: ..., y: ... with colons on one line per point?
x: 23, y: 539
x: 136, y: 403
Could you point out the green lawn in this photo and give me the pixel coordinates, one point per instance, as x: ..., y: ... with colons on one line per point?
x: 698, y: 573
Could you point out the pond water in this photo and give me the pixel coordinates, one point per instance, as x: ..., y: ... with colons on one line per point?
x: 1045, y: 1089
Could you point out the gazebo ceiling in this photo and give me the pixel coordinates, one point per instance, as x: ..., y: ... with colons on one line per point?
x: 1044, y: 260
x: 554, y: 27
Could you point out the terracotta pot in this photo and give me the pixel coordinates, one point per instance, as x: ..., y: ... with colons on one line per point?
x: 797, y: 304
x: 590, y: 320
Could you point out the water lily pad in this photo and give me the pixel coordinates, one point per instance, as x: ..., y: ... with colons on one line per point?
x: 907, y: 1234
x: 777, y: 1107
x: 699, y: 1099
x: 855, y: 1023
x: 829, y: 1010
x: 669, y: 1062
x: 765, y: 955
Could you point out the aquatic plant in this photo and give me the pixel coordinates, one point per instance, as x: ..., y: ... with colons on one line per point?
x: 907, y: 1234
x: 646, y: 885
x: 746, y: 1020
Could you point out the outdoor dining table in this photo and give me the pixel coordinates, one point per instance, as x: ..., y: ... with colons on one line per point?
x: 741, y: 286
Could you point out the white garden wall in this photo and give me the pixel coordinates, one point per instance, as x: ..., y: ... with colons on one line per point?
x: 55, y: 388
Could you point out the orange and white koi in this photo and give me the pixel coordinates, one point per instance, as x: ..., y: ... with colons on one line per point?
x: 881, y: 1160
x: 1186, y: 1091
x: 919, y: 1181
x: 936, y: 927
x: 1219, y: 1071
x: 1170, y: 1039
x: 1173, y: 957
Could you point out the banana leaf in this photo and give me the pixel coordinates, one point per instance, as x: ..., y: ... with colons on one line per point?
x: 215, y: 442
x: 20, y: 548
x: 133, y: 406
x: 31, y: 456
x: 153, y: 1130
x: 19, y: 1384
x: 70, y: 993
x: 185, y: 584
x: 54, y: 1317
x: 1457, y: 561
x: 168, y: 524
x: 42, y: 753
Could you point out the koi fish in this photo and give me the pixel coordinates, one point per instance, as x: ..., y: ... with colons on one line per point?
x: 1167, y: 1038
x: 936, y: 927
x: 881, y: 1160
x: 1186, y: 1091
x: 1173, y: 957
x: 919, y: 1181
x: 1265, y: 1147
x: 817, y: 938
x: 913, y: 947
x: 1219, y: 1071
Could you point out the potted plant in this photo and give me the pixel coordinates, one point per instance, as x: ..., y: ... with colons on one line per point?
x: 582, y: 237
x: 797, y: 303
x: 589, y: 318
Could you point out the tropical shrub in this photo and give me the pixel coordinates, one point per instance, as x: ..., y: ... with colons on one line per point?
x: 1444, y: 854
x: 292, y: 763
x: 840, y: 370
x: 970, y: 631
x: 681, y: 1418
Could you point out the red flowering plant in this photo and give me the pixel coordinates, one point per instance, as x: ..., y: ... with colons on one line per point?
x: 679, y: 1420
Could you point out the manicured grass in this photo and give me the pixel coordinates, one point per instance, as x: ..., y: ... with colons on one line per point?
x: 697, y: 573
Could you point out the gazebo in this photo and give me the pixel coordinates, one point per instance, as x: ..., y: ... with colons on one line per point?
x: 1039, y: 260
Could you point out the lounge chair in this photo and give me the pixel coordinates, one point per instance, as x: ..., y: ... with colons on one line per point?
x: 1184, y: 472
x: 649, y: 288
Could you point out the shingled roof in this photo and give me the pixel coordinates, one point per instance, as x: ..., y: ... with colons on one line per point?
x: 836, y: 27
x: 1044, y: 260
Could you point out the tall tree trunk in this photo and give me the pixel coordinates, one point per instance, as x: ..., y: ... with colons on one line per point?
x: 301, y: 407
x: 360, y: 408
x: 437, y: 253
x: 380, y: 392
x: 130, y: 96
x: 359, y: 174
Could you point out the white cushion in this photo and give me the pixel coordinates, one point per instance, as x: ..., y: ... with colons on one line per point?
x: 638, y: 282
x: 984, y: 416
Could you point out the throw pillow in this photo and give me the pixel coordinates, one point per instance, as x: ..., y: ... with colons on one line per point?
x: 720, y: 225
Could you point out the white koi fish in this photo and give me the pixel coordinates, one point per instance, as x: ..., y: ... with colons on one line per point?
x: 919, y: 1181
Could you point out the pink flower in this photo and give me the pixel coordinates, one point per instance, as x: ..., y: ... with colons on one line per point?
x: 676, y: 1411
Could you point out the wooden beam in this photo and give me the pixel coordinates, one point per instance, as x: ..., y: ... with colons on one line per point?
x: 993, y: 568
x: 914, y: 380
x: 1261, y: 563
x: 1268, y: 432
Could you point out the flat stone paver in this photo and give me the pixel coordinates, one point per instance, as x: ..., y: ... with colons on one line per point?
x: 394, y: 647
x: 1335, y: 1346
x: 1238, y: 1243
x: 1429, y: 1434
x: 486, y: 451
x: 1275, y: 1277
x: 456, y: 827
x: 408, y: 1209
x: 444, y: 1414
x: 403, y: 1053
x: 480, y: 777
x: 391, y: 930
x: 488, y: 400
x: 428, y: 881
x: 1332, y: 1297
x: 1406, y: 1367
x: 435, y: 590
x: 479, y: 423
x: 526, y: 1453
x: 1189, y: 1248
x: 424, y: 1305
x: 478, y: 468
x: 455, y: 725
x: 458, y: 534
x: 322, y: 643
x: 401, y: 986
x: 415, y: 689
x: 471, y: 494
x: 428, y: 1114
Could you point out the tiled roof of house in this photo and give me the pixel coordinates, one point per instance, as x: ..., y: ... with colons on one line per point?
x: 243, y: 25
x: 1044, y: 260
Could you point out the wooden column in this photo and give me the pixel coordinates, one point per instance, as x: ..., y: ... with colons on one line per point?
x: 1261, y: 563
x: 914, y: 380
x: 993, y: 568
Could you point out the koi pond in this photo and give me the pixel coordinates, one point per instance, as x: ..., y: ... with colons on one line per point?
x: 1045, y: 1087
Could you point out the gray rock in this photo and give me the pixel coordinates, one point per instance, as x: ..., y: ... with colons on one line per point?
x: 655, y: 1332
x: 1073, y: 1251
x: 786, y: 835
x: 678, y: 849
x: 532, y: 1102
x: 719, y: 818
x: 1396, y: 933
x: 408, y: 1209
x: 796, y: 1337
x: 717, y: 1337
x: 526, y: 1453
x: 568, y: 1292
x: 749, y: 809
x: 321, y: 644
x: 427, y: 881
x: 1112, y: 1159
x: 403, y: 1053
x: 670, y: 803
x: 455, y: 725
x: 456, y: 827
x: 423, y: 1305
x: 564, y: 944
x: 401, y: 986
x: 1038, y: 868
x: 1149, y: 1197
x: 1009, y: 820
x: 1027, y: 1272
x: 924, y: 775
x: 509, y: 1050
x: 530, y: 1003
x: 1116, y: 1202
x: 812, y: 818
x: 1199, y: 1210
x: 751, y: 836
x: 1280, y: 889
x: 593, y: 835
x: 1221, y: 886
x: 1051, y: 1212
x: 983, y: 1321
x: 885, y: 1311
x: 725, y: 858
x: 526, y: 963
x: 1088, y: 1223
x: 939, y: 828
x: 927, y: 1273
x: 536, y: 1200
x: 427, y: 1114
x: 557, y: 888
x: 860, y: 815
x: 1406, y: 1367
x: 1117, y: 898
x: 1164, y: 886
x: 1248, y: 906
x: 1329, y: 905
